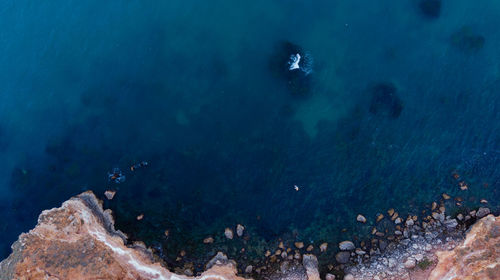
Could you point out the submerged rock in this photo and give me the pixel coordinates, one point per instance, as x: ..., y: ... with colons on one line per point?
x: 430, y: 8
x: 342, y: 257
x: 385, y: 101
x: 79, y: 241
x: 467, y: 41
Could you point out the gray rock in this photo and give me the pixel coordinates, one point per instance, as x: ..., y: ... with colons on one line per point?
x: 382, y: 245
x: 482, y: 212
x: 410, y: 263
x: 249, y: 269
x: 349, y: 277
x: 342, y: 257
x: 329, y: 276
x: 392, y: 263
x: 452, y: 223
x: 346, y: 245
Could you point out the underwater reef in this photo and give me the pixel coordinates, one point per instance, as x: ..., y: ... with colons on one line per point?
x: 78, y: 241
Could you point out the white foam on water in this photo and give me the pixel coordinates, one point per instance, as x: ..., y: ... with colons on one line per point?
x: 294, y: 62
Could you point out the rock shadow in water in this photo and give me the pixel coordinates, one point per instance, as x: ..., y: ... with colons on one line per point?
x: 466, y: 40
x: 430, y: 8
x: 385, y: 101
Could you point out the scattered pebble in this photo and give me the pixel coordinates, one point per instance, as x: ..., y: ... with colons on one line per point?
x: 484, y: 201
x: 208, y: 240
x: 380, y: 217
x: 309, y: 248
x: 299, y: 245
x: 239, y: 230
x: 140, y: 217
x: 342, y: 257
x: 360, y: 218
x: 397, y: 221
x: 390, y: 211
x: 410, y: 263
x: 349, y: 277
x: 409, y: 222
x: 446, y: 197
x: 323, y: 247
x: 166, y: 232
x: 395, y: 216
x: 346, y: 245
x: 249, y: 269
x: 109, y: 194
x: 330, y: 276
x: 228, y: 233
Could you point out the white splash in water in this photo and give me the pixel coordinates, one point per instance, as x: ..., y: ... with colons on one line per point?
x: 294, y: 62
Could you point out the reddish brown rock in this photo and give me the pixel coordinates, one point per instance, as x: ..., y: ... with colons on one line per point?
x: 477, y: 258
x: 78, y: 241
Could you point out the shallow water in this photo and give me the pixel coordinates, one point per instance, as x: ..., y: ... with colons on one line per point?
x: 188, y: 87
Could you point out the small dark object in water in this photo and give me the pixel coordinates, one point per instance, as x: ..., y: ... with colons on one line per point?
x: 139, y: 165
x: 467, y: 41
x: 384, y: 101
x: 430, y: 8
x: 292, y: 64
x: 116, y: 176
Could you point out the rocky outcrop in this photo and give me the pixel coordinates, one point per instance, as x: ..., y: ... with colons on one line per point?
x: 477, y: 258
x: 78, y: 241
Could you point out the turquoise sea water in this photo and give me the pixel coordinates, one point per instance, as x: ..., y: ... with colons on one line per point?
x: 397, y: 102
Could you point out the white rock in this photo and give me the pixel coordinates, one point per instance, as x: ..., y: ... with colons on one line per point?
x: 360, y: 252
x: 239, y: 230
x: 249, y: 269
x: 409, y: 222
x: 428, y: 247
x: 410, y: 263
x: 392, y: 262
x: 419, y: 257
x: 349, y: 277
x: 360, y: 218
x: 228, y: 233
x: 329, y: 276
x: 397, y: 221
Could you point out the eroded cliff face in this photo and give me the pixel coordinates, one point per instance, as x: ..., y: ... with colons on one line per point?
x: 78, y: 241
x: 478, y: 257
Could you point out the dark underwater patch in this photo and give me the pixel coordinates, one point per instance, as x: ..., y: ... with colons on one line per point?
x: 385, y: 101
x: 430, y: 8
x: 466, y: 40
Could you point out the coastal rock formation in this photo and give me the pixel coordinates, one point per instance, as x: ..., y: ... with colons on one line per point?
x: 78, y: 241
x: 477, y: 258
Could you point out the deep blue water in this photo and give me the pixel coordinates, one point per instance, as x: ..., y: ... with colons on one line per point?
x: 398, y: 101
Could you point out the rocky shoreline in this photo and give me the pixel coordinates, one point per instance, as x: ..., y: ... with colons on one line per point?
x: 78, y: 241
